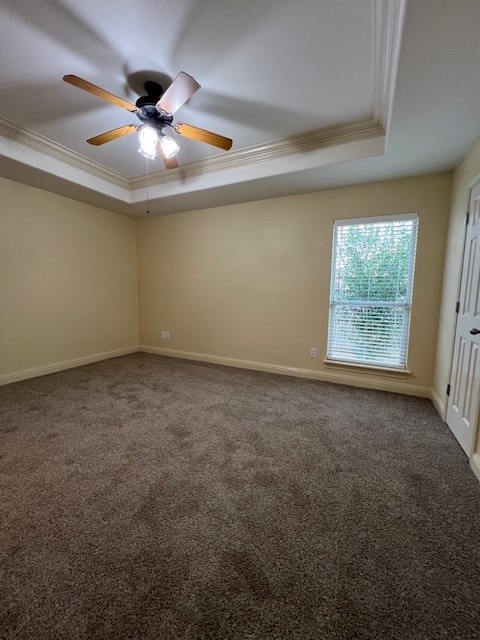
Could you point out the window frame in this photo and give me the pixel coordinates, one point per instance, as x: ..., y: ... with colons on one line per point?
x: 407, y: 305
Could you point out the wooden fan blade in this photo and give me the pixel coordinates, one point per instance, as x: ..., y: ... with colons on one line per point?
x: 195, y: 133
x: 170, y: 163
x: 126, y: 130
x: 100, y: 93
x: 181, y: 89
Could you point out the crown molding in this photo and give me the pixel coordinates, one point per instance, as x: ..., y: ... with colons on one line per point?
x: 302, y: 143
x: 388, y: 21
x: 54, y: 150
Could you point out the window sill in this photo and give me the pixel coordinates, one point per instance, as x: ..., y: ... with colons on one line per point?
x: 378, y: 370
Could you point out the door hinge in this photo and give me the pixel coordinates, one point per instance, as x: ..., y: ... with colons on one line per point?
x: 448, y: 389
x: 467, y: 217
x: 457, y: 307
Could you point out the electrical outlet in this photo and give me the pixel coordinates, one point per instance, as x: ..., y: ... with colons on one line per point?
x: 165, y: 335
x: 313, y: 352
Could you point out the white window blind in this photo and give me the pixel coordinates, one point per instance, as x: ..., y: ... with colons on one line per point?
x: 371, y: 290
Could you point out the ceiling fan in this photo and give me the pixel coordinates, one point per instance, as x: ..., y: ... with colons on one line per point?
x: 155, y: 112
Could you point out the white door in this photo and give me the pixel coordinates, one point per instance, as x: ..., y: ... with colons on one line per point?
x: 463, y: 401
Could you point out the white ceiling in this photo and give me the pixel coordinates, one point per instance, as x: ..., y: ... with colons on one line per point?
x: 283, y: 79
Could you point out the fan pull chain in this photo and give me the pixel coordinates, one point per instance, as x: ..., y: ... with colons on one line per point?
x: 148, y: 207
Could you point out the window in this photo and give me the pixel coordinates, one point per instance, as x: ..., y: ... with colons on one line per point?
x: 371, y: 290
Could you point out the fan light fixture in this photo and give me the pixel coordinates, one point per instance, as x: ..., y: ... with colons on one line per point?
x: 148, y: 138
x: 169, y: 147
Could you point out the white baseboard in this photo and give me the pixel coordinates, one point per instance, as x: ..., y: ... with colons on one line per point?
x: 25, y: 374
x: 475, y: 464
x: 438, y: 403
x: 340, y: 377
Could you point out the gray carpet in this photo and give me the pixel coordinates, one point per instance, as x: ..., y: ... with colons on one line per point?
x: 152, y: 498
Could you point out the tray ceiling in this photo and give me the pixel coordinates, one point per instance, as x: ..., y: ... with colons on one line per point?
x: 302, y: 88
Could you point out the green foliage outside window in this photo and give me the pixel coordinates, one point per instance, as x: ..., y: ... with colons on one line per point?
x: 374, y: 262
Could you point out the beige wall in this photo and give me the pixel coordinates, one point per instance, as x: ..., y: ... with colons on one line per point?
x: 68, y: 282
x: 251, y: 281
x: 247, y: 282
x: 467, y: 173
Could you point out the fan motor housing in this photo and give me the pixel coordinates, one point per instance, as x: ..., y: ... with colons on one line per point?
x: 149, y: 114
